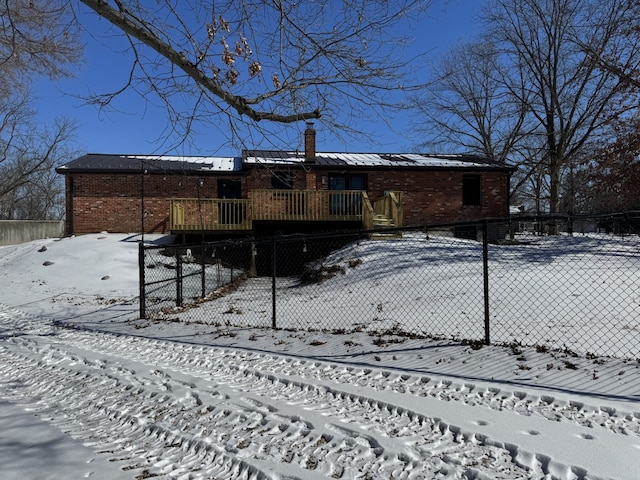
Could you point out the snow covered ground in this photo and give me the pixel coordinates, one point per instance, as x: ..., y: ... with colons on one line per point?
x: 87, y: 390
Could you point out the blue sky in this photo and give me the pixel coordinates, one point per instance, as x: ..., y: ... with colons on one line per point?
x: 138, y: 127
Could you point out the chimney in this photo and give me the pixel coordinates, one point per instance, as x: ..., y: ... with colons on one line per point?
x: 310, y: 143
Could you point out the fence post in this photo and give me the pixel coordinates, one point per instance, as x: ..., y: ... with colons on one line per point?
x: 485, y: 271
x: 273, y: 282
x: 178, y: 278
x: 141, y: 281
x: 253, y: 270
x: 202, y: 271
x: 570, y: 226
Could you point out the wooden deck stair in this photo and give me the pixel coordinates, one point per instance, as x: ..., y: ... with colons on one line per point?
x: 380, y: 222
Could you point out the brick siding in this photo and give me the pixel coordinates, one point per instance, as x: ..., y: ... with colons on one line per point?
x: 112, y: 202
x: 436, y: 195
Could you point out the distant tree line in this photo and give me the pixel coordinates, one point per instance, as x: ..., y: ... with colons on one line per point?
x: 35, y: 39
x: 551, y: 86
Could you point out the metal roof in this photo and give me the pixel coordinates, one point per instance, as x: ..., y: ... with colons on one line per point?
x: 387, y: 160
x: 167, y: 163
x: 202, y: 164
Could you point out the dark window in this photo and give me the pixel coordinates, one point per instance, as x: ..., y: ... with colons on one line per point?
x: 281, y: 181
x: 229, y: 189
x: 230, y: 212
x: 471, y: 190
x: 347, y: 182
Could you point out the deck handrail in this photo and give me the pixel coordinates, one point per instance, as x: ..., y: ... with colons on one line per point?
x: 192, y: 214
x: 397, y: 215
x: 390, y: 206
x: 367, y: 212
x: 209, y: 214
x: 309, y: 205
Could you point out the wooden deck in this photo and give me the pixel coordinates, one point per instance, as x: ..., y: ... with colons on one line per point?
x: 216, y: 214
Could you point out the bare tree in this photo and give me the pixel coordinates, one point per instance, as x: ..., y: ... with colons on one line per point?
x: 469, y: 106
x: 620, y: 65
x: 475, y: 105
x: 37, y: 37
x: 260, y: 64
x: 29, y: 188
x: 242, y: 67
x: 570, y: 97
x: 542, y: 66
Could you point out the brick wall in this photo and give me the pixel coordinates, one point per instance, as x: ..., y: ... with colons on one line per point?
x: 435, y: 196
x: 112, y: 202
x: 260, y: 178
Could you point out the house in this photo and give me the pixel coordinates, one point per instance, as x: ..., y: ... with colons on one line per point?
x: 264, y: 191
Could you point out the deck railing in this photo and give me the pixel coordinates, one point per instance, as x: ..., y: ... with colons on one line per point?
x: 192, y: 214
x: 367, y: 212
x: 209, y: 214
x: 309, y: 205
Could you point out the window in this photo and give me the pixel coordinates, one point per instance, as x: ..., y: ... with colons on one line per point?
x: 347, y: 182
x: 281, y: 181
x: 347, y: 203
x: 229, y: 189
x: 471, y: 190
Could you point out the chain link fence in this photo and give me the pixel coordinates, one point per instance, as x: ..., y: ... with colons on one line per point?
x: 550, y: 282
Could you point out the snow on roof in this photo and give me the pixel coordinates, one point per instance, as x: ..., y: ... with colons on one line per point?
x: 226, y: 164
x: 201, y: 164
x: 104, y: 162
x: 371, y: 159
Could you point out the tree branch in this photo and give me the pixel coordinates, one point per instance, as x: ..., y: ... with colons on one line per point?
x: 179, y: 59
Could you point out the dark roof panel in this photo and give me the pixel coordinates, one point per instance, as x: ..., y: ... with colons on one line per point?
x: 163, y: 163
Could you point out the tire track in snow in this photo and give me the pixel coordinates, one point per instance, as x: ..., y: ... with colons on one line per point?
x: 136, y: 420
x: 171, y: 433
x: 162, y: 434
x: 207, y: 412
x: 546, y: 406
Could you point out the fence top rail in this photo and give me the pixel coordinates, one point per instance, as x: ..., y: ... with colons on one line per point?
x: 310, y: 192
x: 632, y: 214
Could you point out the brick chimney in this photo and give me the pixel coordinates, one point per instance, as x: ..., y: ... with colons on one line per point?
x: 310, y: 143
